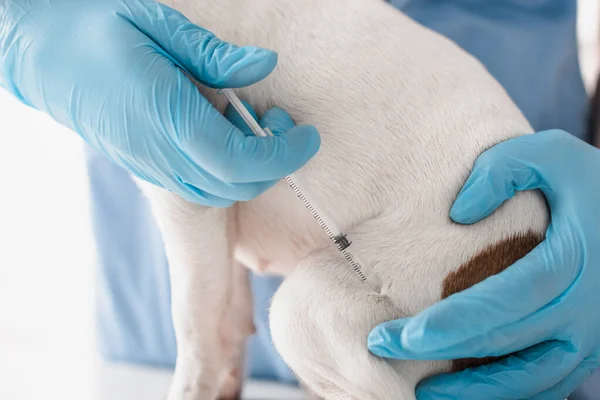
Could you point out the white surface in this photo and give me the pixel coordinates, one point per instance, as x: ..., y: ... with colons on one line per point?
x: 47, y: 256
x: 121, y: 382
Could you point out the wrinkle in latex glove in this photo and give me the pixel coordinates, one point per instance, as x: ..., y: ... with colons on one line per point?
x: 544, y: 308
x: 113, y: 71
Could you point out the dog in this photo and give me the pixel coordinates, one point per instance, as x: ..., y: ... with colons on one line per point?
x: 403, y: 113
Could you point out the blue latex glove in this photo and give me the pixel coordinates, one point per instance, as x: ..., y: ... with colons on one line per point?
x: 545, y: 306
x: 111, y: 70
x: 276, y: 120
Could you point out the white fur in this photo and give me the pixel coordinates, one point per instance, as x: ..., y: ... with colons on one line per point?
x: 403, y: 113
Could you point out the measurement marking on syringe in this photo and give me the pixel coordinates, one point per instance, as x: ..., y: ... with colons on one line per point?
x: 340, y: 241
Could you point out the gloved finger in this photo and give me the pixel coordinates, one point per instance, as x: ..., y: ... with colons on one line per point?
x: 277, y: 120
x: 567, y: 386
x: 194, y: 184
x: 228, y: 154
x: 274, y: 119
x: 510, y: 166
x: 208, y: 59
x: 211, y: 142
x: 175, y: 184
x: 385, y: 339
x: 274, y: 157
x: 516, y: 377
x: 133, y: 169
x: 196, y: 195
x: 199, y: 181
x: 536, y: 328
x: 447, y: 329
x: 207, y: 138
x: 236, y: 119
x: 188, y: 192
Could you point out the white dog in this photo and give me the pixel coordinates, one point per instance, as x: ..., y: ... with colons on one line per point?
x: 403, y: 113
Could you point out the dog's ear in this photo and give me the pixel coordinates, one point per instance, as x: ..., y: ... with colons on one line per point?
x: 492, y: 260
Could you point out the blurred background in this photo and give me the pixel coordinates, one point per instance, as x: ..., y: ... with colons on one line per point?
x: 47, y: 347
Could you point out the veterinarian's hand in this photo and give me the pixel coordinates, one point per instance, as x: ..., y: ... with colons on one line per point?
x: 276, y: 120
x: 545, y: 306
x: 111, y: 70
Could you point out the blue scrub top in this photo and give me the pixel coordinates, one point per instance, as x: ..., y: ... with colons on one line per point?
x: 529, y: 46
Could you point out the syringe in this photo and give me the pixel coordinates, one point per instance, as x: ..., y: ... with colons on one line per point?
x: 329, y: 226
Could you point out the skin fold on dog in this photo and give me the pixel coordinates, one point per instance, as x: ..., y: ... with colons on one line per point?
x: 403, y: 113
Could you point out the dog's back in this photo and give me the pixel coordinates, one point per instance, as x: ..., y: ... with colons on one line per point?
x: 403, y: 114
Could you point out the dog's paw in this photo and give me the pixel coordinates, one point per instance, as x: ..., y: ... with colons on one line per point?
x: 231, y: 388
x: 237, y: 396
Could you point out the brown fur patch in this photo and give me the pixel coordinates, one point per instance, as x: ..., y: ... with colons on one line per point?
x: 492, y: 260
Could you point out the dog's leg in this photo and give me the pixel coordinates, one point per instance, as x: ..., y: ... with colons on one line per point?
x: 206, y: 289
x: 237, y: 326
x: 320, y: 319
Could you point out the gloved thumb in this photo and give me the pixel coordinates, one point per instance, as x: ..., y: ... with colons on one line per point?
x: 277, y: 120
x: 273, y: 157
x: 209, y: 60
x: 498, y: 173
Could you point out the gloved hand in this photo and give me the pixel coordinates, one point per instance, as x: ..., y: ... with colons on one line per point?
x: 545, y: 306
x: 277, y: 120
x: 111, y: 70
